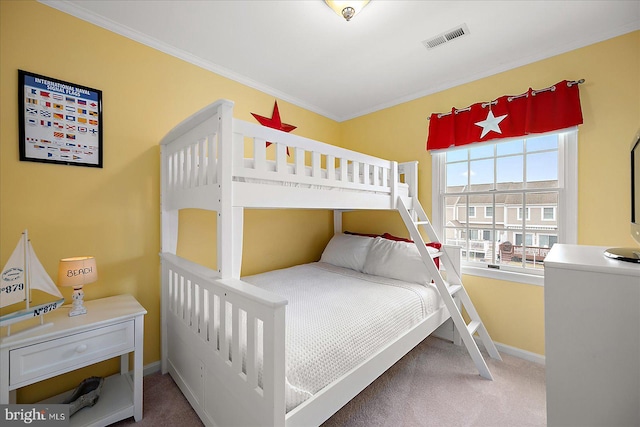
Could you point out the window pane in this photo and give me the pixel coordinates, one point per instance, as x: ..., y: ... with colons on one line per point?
x: 511, y: 203
x: 547, y: 142
x: 455, y: 208
x: 537, y: 203
x: 499, y: 211
x: 482, y: 151
x: 482, y: 172
x: 512, y: 147
x: 477, y: 247
x: 488, y: 211
x: 509, y: 172
x: 455, y: 236
x: 542, y: 166
x: 457, y: 155
x: 508, y: 251
x: 456, y: 175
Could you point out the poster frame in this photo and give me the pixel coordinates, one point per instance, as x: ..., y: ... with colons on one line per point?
x: 36, y: 115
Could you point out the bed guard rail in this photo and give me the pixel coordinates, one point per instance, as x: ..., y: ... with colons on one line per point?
x: 242, y: 325
x: 211, y: 149
x: 306, y: 161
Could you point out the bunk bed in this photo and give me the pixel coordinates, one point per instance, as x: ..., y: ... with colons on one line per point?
x: 225, y: 340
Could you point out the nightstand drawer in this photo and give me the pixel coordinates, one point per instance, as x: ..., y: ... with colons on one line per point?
x: 69, y: 353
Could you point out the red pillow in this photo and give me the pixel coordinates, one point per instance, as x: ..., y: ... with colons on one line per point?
x: 402, y: 239
x: 362, y: 234
x: 396, y: 238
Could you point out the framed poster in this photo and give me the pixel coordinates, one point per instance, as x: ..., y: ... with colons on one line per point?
x: 60, y: 122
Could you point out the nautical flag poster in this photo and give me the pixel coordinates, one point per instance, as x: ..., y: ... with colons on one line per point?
x: 60, y: 122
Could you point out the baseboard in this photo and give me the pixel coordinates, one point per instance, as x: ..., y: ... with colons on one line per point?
x: 151, y: 368
x: 516, y: 352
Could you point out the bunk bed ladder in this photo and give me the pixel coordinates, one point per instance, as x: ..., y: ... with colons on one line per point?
x: 452, y: 290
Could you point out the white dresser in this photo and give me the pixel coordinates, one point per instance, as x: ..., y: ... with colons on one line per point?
x: 112, y: 327
x: 592, y: 338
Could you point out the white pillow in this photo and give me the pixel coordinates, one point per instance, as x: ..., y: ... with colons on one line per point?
x: 397, y: 260
x: 346, y: 250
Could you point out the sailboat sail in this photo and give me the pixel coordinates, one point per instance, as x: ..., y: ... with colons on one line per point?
x: 13, y: 288
x: 22, y: 273
x: 39, y: 278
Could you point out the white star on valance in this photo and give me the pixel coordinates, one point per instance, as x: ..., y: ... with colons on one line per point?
x: 491, y: 123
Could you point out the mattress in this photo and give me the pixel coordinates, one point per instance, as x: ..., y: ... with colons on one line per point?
x: 336, y: 318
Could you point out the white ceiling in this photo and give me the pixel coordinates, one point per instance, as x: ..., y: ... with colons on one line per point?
x: 300, y: 51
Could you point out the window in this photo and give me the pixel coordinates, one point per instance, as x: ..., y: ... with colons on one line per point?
x: 488, y: 211
x: 546, y: 240
x: 549, y: 214
x: 528, y: 239
x: 520, y: 213
x: 526, y: 186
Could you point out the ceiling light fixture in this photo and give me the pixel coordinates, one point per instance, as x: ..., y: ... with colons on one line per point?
x: 347, y: 9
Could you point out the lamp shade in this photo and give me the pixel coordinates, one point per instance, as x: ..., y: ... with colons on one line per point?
x: 77, y: 271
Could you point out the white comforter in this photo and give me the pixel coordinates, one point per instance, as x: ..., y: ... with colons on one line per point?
x: 336, y: 318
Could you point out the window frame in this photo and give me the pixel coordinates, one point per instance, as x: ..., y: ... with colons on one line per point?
x: 486, y: 209
x: 553, y: 213
x: 547, y: 235
x: 527, y: 215
x: 566, y: 212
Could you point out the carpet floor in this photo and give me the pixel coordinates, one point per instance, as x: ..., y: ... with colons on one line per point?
x: 436, y: 384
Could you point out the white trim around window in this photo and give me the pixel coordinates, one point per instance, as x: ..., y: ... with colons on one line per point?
x: 553, y: 213
x: 488, y: 211
x: 566, y: 213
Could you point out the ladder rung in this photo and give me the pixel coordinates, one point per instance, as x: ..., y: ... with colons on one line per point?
x: 422, y: 222
x: 435, y: 254
x: 453, y: 289
x: 473, y: 326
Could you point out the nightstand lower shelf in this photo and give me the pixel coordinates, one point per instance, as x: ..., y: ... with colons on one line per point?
x: 115, y: 403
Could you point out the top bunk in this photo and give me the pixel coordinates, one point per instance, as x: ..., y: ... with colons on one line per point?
x: 211, y: 158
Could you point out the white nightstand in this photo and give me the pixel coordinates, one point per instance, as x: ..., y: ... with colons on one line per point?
x: 112, y: 327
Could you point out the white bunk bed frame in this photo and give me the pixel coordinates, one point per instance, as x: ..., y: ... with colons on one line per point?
x: 204, y: 166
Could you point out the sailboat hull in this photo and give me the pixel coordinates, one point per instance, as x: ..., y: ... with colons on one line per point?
x: 31, y: 312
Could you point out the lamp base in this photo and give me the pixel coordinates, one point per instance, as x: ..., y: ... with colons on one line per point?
x: 78, y: 298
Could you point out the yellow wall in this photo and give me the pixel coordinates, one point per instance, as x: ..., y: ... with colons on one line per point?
x: 113, y: 213
x: 610, y: 97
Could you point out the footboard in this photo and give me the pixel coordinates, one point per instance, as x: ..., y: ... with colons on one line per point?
x: 223, y: 341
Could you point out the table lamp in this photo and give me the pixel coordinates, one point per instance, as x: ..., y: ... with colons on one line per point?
x: 77, y: 272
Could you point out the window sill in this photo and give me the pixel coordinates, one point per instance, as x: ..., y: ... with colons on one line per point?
x: 510, y: 276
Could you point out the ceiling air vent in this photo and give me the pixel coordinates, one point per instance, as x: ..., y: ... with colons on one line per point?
x: 447, y: 36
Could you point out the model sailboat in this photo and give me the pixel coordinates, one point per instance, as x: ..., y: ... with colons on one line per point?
x: 23, y: 273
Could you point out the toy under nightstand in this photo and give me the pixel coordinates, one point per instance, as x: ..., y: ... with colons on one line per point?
x: 112, y: 327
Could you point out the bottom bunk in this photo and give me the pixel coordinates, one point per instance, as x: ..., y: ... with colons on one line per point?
x: 240, y: 360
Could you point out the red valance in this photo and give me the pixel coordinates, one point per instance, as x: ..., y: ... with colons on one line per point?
x: 536, y: 111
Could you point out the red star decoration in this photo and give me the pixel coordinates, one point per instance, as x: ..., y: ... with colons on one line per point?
x: 274, y: 122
